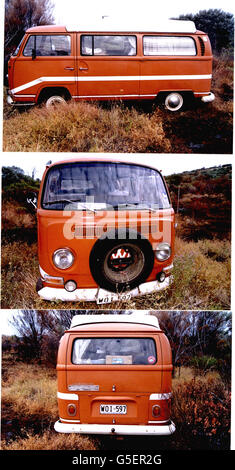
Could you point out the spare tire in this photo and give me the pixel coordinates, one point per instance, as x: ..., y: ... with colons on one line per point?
x: 121, y: 260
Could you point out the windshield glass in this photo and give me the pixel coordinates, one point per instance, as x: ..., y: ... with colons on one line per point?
x: 114, y: 351
x: 102, y: 186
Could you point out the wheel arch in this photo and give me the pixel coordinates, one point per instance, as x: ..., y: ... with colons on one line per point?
x: 49, y: 91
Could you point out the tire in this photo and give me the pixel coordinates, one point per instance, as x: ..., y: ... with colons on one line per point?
x: 54, y: 100
x: 121, y: 261
x: 174, y: 101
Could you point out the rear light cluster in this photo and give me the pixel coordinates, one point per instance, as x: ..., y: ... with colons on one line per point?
x: 156, y: 411
x: 162, y: 410
x: 72, y: 410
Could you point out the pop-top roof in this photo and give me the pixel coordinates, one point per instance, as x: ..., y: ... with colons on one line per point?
x: 167, y: 26
x: 140, y: 318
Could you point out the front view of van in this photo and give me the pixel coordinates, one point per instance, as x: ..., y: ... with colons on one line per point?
x: 105, y: 231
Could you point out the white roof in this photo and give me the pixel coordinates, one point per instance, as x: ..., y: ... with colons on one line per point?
x: 138, y: 317
x: 169, y: 26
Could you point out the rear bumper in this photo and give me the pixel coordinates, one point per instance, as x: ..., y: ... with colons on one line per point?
x: 208, y: 98
x: 101, y: 296
x: 134, y: 430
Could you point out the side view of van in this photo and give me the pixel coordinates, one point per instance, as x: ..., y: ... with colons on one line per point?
x: 105, y: 230
x: 114, y: 376
x: 53, y: 64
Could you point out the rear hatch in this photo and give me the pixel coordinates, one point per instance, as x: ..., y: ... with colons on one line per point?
x: 115, y: 383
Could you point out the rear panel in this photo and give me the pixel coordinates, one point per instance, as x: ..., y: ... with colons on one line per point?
x: 107, y: 393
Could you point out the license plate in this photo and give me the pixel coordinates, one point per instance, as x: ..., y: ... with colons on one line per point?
x: 106, y: 298
x: 113, y: 409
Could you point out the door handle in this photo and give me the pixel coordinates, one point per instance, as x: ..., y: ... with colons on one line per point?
x: 69, y: 68
x: 83, y: 68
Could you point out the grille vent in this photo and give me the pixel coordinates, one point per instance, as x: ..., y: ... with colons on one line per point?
x: 202, y: 45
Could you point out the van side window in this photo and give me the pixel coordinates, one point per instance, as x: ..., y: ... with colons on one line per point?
x: 48, y: 45
x: 114, y: 351
x: 108, y: 45
x: 15, y: 53
x: 169, y: 45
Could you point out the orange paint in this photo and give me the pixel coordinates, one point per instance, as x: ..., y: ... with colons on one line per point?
x: 119, y: 377
x: 112, y: 242
x: 107, y: 65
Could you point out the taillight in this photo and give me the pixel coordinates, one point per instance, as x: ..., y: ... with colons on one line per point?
x: 71, y: 408
x: 156, y: 411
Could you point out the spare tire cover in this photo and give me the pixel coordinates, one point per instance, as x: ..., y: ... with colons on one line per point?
x: 121, y: 260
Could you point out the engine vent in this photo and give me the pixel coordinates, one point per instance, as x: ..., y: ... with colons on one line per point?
x: 202, y: 45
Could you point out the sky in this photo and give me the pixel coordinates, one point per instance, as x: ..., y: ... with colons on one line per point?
x: 132, y: 9
x: 5, y: 317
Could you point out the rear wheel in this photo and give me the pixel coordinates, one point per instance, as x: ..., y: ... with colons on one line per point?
x: 121, y: 264
x: 174, y: 101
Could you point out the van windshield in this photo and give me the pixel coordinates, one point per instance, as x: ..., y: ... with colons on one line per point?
x: 114, y: 351
x: 99, y: 185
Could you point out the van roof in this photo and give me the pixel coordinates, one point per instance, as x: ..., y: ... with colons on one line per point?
x: 107, y: 25
x: 113, y: 159
x: 137, y: 318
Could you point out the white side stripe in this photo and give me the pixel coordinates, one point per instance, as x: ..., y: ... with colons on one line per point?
x: 109, y: 79
x: 67, y: 396
x: 113, y: 96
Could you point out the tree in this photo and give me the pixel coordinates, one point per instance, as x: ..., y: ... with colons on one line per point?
x: 199, y: 334
x: 31, y: 330
x: 21, y: 15
x: 217, y: 24
x: 40, y: 331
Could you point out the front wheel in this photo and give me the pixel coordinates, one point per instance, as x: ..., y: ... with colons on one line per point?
x: 54, y: 101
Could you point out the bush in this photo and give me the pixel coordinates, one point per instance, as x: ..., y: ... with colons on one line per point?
x: 201, y: 411
x: 203, y: 364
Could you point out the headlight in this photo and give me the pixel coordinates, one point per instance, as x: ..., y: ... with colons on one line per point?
x: 63, y: 258
x: 163, y: 251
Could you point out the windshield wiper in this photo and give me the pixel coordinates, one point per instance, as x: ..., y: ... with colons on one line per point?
x: 129, y: 204
x: 70, y: 202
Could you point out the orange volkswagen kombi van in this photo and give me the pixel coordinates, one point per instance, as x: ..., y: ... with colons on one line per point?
x: 172, y: 61
x: 114, y: 376
x: 105, y: 230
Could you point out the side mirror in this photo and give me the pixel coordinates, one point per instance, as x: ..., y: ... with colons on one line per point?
x: 32, y: 200
x: 34, y: 54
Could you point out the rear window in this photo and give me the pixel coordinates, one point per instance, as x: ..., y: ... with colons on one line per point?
x: 48, y: 45
x: 169, y: 45
x: 114, y: 351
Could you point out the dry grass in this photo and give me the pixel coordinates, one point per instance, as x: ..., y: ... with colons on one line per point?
x: 84, y: 127
x: 15, y: 216
x: 29, y: 410
x: 49, y: 441
x: 121, y: 127
x: 33, y: 388
x: 202, y: 276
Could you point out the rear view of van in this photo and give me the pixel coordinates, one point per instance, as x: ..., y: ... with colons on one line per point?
x: 114, y: 376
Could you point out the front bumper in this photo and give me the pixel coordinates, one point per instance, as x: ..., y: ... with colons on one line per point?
x: 101, y: 296
x: 11, y: 102
x: 121, y: 429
